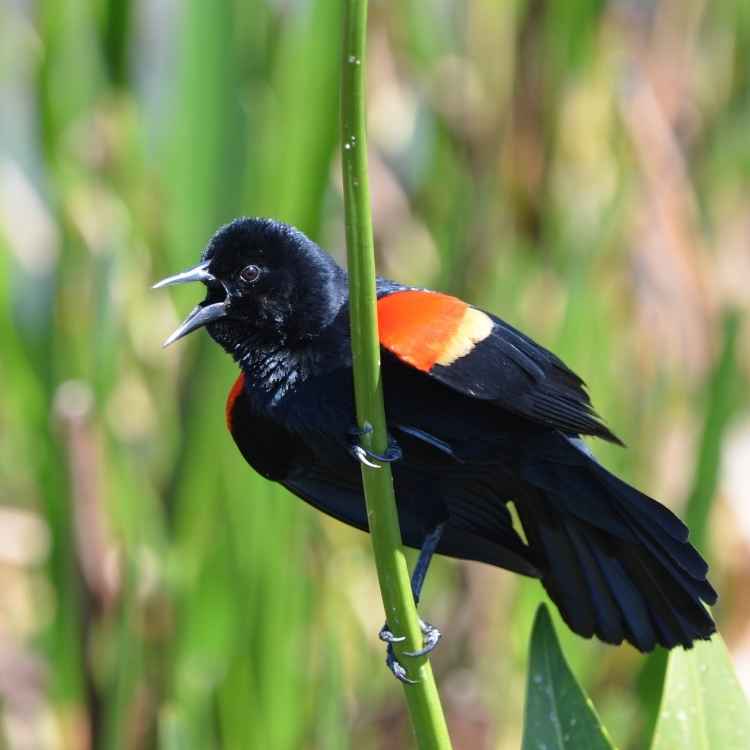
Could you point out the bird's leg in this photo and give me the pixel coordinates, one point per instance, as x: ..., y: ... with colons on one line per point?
x: 366, y: 456
x: 429, y: 546
x: 431, y: 634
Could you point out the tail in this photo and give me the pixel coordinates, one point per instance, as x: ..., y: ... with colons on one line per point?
x: 617, y: 563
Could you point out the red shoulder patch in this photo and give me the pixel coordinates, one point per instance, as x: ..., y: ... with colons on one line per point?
x: 428, y: 328
x: 234, y: 394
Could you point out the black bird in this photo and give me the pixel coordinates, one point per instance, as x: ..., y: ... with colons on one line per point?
x: 478, y: 416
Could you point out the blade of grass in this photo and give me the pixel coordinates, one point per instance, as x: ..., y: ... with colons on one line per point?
x: 54, y: 349
x: 422, y: 697
x: 719, y: 408
x: 720, y: 393
x: 271, y: 696
x: 199, y: 172
x: 291, y: 155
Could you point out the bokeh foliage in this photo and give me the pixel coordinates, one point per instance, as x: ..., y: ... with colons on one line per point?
x: 579, y: 168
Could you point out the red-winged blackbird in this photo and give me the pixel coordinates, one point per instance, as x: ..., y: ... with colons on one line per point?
x: 478, y: 415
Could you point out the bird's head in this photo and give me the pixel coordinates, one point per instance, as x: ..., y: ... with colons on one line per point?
x: 265, y: 281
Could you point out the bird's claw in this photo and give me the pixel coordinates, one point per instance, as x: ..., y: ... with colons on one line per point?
x: 397, y: 669
x: 431, y: 637
x: 362, y: 456
x: 386, y: 635
x: 368, y: 457
x: 392, y: 454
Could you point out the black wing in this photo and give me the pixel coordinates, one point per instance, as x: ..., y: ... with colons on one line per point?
x: 481, y: 356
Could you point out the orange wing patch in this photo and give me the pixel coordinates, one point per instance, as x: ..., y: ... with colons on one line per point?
x: 234, y: 394
x: 426, y: 329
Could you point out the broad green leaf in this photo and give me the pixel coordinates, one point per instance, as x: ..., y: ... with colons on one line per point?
x: 703, y: 707
x: 558, y: 714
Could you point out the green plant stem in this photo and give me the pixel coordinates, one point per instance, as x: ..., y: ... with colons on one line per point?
x: 422, y: 698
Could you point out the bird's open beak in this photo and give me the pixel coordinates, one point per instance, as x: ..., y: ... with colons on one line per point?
x: 201, y: 315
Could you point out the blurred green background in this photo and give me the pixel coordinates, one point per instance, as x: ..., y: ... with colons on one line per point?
x: 581, y: 169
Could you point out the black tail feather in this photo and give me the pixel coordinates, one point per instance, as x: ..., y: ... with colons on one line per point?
x: 552, y: 547
x: 645, y: 586
x: 633, y: 606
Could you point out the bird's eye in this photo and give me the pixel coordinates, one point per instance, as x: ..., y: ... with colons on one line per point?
x: 250, y: 274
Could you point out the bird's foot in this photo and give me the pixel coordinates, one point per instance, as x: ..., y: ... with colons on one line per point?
x: 368, y: 457
x: 430, y: 635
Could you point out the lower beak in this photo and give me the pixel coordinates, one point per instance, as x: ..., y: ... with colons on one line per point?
x: 201, y: 316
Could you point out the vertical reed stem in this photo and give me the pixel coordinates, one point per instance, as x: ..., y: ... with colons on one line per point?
x: 422, y: 698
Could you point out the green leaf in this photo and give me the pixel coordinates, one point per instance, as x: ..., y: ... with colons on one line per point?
x: 703, y: 707
x: 558, y: 715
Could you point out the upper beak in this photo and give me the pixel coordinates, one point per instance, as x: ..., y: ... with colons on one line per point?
x: 199, y: 273
x: 201, y: 315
